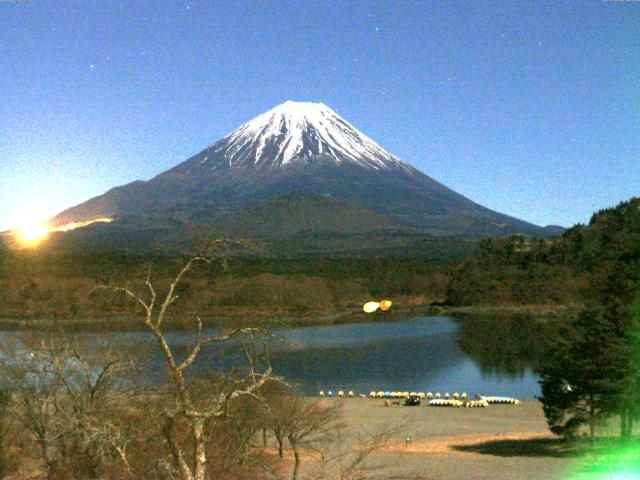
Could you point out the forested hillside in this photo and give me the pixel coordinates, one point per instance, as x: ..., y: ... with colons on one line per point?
x: 38, y: 285
x: 565, y: 270
x: 500, y: 271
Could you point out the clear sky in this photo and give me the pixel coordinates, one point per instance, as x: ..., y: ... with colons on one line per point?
x: 531, y: 108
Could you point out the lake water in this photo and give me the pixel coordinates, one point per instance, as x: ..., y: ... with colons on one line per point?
x: 419, y: 354
x: 428, y: 354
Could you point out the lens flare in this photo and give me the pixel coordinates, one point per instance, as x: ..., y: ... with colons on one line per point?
x: 370, y: 307
x: 33, y: 234
x: 74, y: 225
x: 616, y: 462
x: 385, y: 304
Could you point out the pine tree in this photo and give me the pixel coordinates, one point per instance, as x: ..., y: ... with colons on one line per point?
x: 584, y: 378
x: 628, y: 401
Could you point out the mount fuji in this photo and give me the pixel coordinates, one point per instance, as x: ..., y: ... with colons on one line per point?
x: 297, y: 168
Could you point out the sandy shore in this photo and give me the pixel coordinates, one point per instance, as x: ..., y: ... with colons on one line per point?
x: 498, y: 442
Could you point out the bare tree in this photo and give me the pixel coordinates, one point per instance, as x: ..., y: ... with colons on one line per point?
x: 310, y: 424
x: 314, y: 427
x: 347, y: 456
x: 277, y: 419
x: 95, y: 380
x: 34, y: 389
x: 7, y: 462
x: 64, y: 395
x: 303, y: 422
x: 236, y: 449
x: 196, y: 411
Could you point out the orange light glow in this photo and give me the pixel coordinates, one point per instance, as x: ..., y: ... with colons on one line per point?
x: 34, y: 234
x: 74, y: 225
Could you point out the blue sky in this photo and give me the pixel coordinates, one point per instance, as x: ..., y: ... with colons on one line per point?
x: 529, y: 108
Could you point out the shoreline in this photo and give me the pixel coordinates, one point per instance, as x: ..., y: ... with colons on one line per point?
x: 536, y: 311
x: 345, y: 316
x: 134, y: 323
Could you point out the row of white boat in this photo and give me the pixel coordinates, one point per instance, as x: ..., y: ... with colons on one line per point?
x: 435, y: 400
x: 420, y: 395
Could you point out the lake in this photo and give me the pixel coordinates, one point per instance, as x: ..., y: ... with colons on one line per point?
x: 428, y: 354
x: 418, y: 354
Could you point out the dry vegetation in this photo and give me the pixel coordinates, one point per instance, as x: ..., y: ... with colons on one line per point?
x: 36, y: 285
x: 263, y: 294
x: 76, y: 409
x: 72, y: 412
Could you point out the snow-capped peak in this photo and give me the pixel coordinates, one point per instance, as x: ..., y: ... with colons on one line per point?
x: 301, y: 132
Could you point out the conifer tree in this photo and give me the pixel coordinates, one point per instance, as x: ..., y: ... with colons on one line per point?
x: 584, y: 378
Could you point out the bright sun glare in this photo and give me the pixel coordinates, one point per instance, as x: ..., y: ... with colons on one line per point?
x: 35, y: 233
x: 32, y: 234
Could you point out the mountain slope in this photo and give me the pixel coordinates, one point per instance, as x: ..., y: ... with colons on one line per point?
x: 306, y: 148
x: 296, y: 213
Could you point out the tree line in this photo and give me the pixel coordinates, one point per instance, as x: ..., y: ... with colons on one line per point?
x: 565, y: 270
x: 43, y: 285
x: 593, y: 369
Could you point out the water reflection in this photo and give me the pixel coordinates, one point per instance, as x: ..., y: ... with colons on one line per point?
x: 505, y: 345
x: 426, y: 354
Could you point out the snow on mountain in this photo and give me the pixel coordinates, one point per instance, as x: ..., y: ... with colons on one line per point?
x: 304, y: 149
x: 300, y: 132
